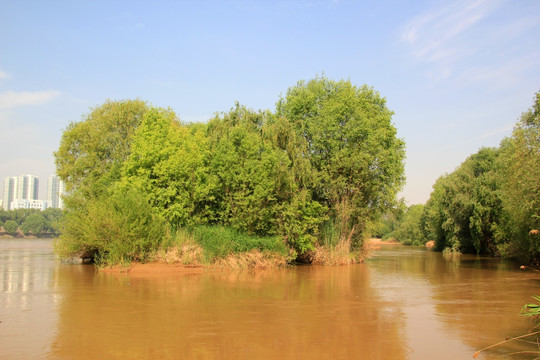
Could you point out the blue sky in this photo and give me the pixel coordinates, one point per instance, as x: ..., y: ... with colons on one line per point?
x: 457, y: 74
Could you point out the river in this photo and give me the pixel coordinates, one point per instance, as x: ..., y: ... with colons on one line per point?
x: 403, y: 303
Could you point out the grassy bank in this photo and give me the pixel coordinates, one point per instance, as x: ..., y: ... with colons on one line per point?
x: 222, y: 247
x: 219, y: 247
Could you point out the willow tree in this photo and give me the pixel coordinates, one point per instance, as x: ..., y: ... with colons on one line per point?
x: 520, y: 161
x: 261, y: 177
x: 464, y: 209
x: 356, y: 158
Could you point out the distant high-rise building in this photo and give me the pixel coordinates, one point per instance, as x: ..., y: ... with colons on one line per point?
x: 25, y: 187
x: 9, y: 192
x: 55, y: 190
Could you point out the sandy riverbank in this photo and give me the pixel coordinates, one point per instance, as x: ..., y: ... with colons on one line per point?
x: 138, y: 269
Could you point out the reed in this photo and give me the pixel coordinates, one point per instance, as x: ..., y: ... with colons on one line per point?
x: 218, y: 242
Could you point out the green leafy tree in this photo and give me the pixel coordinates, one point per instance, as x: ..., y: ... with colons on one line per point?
x: 355, y: 156
x: 19, y: 215
x: 249, y: 169
x: 389, y: 221
x: 328, y: 159
x: 263, y: 177
x: 4, y: 216
x: 89, y: 160
x: 11, y: 227
x: 169, y: 163
x: 53, y: 220
x: 408, y: 230
x: 520, y: 169
x: 34, y: 224
x: 92, y: 151
x: 465, y: 206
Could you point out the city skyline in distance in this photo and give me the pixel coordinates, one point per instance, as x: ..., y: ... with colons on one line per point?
x: 30, y: 187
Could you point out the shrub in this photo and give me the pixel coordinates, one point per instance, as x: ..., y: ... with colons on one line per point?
x: 34, y: 223
x: 113, y: 230
x: 11, y: 227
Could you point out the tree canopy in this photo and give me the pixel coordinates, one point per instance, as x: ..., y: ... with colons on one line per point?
x: 92, y: 151
x: 356, y: 159
x: 491, y: 203
x: 520, y: 187
x: 327, y: 161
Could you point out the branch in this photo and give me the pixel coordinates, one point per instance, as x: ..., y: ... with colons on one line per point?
x: 503, y: 342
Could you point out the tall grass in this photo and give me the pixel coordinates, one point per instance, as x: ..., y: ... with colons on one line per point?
x: 221, y: 247
x: 179, y: 246
x: 219, y: 242
x: 330, y: 235
x: 335, y: 249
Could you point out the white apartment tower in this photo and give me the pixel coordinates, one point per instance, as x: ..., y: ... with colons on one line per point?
x: 9, y: 192
x: 55, y: 190
x: 28, y: 187
x: 25, y: 187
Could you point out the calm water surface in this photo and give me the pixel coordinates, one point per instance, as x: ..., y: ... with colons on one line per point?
x: 404, y: 303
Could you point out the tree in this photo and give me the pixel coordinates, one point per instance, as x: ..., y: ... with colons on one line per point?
x: 390, y: 220
x: 34, y: 223
x: 355, y: 156
x: 263, y: 177
x: 89, y: 160
x: 92, y: 151
x: 464, y: 208
x: 520, y: 168
x: 19, y: 215
x: 4, y: 215
x: 169, y: 162
x: 408, y: 230
x: 11, y: 227
x: 53, y: 219
x: 327, y: 159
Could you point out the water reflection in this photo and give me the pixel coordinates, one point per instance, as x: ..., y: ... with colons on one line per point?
x: 27, y: 298
x: 305, y: 312
x: 404, y: 303
x: 474, y: 300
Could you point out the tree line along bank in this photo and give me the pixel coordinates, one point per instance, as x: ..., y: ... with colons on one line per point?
x: 489, y: 205
x: 31, y: 222
x: 309, y: 181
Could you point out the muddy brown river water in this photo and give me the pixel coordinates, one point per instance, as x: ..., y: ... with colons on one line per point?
x: 404, y: 303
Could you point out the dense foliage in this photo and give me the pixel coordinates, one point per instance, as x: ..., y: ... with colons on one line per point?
x: 489, y: 205
x: 318, y: 171
x: 32, y: 221
x: 11, y: 227
x: 465, y: 207
x: 114, y: 230
x: 356, y: 159
x: 520, y: 188
x: 404, y: 226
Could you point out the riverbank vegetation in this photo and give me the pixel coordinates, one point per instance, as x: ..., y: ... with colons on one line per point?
x: 489, y: 205
x: 316, y: 173
x: 31, y: 222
